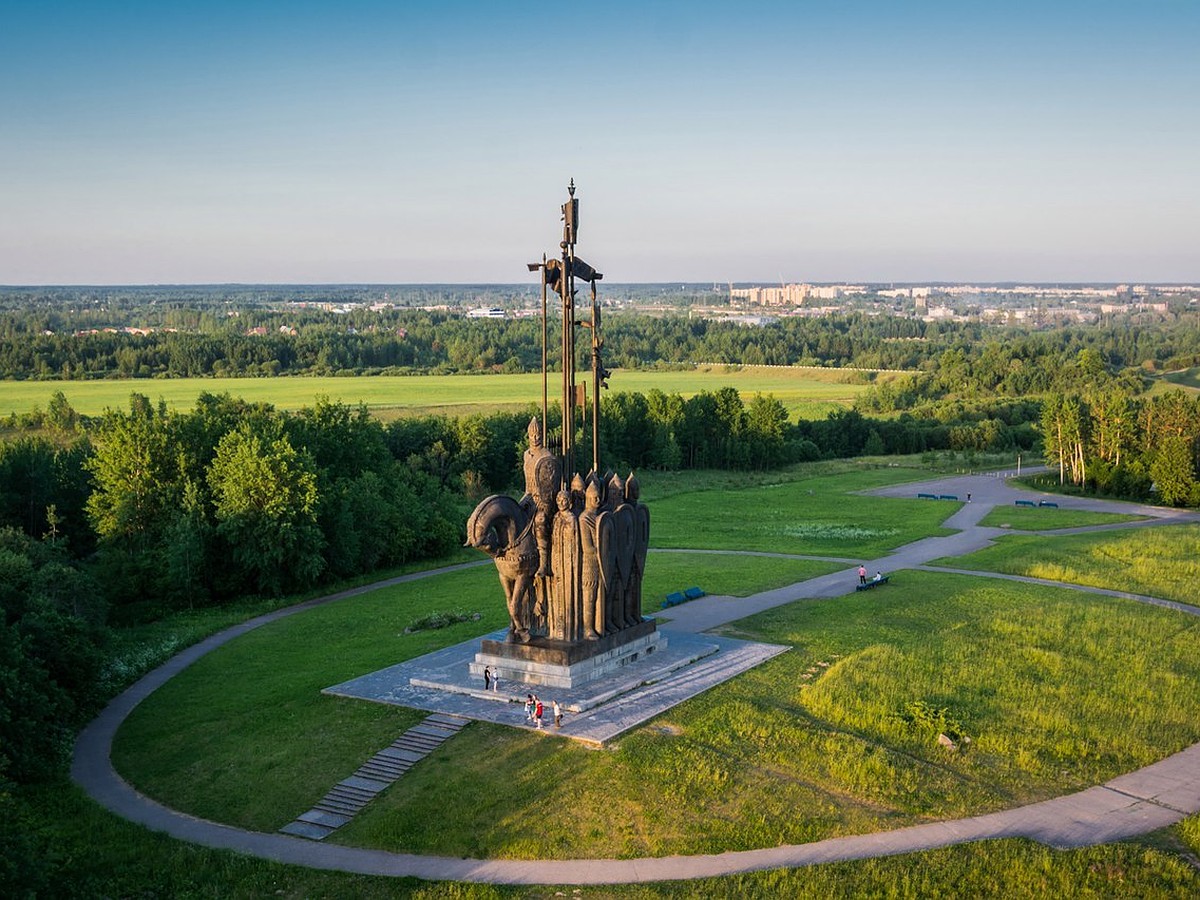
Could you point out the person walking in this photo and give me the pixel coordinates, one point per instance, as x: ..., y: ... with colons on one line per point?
x: 538, y: 711
x: 487, y: 678
x: 529, y: 707
x: 862, y: 574
x: 557, y: 715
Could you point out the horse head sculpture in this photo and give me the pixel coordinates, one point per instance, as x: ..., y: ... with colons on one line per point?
x: 502, y: 528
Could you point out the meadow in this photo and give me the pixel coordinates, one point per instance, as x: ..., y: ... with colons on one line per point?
x: 837, y: 736
x: 1163, y: 561
x: 809, y: 393
x: 834, y: 737
x: 811, y: 510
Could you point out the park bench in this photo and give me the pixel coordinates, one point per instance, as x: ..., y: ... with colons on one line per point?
x: 1049, y: 503
x: 948, y: 497
x: 926, y: 496
x: 872, y: 583
x: 677, y: 597
x: 1028, y: 503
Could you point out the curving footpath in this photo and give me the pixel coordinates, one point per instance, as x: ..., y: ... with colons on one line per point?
x: 1146, y: 800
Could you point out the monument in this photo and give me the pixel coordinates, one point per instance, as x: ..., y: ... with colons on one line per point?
x: 572, y: 551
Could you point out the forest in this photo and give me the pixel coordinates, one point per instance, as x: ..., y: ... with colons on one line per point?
x: 144, y: 512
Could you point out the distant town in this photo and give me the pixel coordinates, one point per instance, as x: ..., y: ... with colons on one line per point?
x: 91, y: 310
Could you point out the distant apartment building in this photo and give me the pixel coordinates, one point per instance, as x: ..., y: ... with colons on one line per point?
x: 793, y: 294
x: 784, y: 295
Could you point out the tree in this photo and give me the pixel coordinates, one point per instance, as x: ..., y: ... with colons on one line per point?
x: 265, y: 496
x: 134, y: 473
x: 1173, y: 471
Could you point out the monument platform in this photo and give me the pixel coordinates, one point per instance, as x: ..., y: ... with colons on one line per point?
x: 559, y: 664
x: 683, y: 666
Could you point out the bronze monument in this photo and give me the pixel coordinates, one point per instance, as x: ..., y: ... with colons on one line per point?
x: 571, y: 552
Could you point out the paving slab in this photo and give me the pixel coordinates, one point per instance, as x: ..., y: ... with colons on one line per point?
x: 606, y: 708
x: 321, y: 817
x: 308, y: 830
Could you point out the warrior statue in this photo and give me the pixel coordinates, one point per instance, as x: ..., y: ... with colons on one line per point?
x: 623, y: 540
x: 595, y: 538
x: 566, y: 614
x: 641, y: 544
x: 571, y: 553
x: 543, y: 476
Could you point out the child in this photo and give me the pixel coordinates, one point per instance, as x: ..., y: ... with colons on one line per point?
x: 557, y: 715
x: 537, y: 712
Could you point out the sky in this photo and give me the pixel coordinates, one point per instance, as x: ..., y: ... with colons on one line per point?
x: 392, y: 142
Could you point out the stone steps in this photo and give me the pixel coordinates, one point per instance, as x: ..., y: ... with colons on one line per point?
x: 349, y: 796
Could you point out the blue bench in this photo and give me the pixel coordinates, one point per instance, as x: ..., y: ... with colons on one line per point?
x: 948, y: 497
x: 871, y: 584
x: 677, y: 597
x: 1028, y: 503
x: 926, y: 496
x: 1049, y: 503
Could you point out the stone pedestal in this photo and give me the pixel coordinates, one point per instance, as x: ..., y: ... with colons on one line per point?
x: 568, y: 665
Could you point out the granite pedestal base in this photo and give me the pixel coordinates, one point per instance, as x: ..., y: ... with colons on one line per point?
x: 568, y: 665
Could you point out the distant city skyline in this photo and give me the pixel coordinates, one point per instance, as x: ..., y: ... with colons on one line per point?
x: 772, y: 142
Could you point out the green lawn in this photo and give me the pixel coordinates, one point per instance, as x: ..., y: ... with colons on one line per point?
x: 808, y: 392
x: 208, y: 724
x: 810, y: 514
x: 1160, y: 562
x: 1044, y: 518
x: 807, y: 746
x: 733, y: 576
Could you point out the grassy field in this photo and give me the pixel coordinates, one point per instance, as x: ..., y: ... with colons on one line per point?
x: 810, y: 745
x: 808, y: 511
x: 833, y: 737
x: 810, y: 393
x: 1160, y: 562
x: 1043, y: 518
x: 732, y: 576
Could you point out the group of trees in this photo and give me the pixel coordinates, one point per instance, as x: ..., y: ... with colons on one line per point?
x: 1110, y: 442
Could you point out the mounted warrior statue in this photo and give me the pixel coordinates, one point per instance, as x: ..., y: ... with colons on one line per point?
x: 503, y: 529
x: 571, y: 553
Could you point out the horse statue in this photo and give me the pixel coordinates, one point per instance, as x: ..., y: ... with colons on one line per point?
x: 503, y: 529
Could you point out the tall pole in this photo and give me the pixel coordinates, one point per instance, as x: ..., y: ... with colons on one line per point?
x: 568, y: 282
x: 568, y: 413
x: 545, y: 340
x: 596, y: 366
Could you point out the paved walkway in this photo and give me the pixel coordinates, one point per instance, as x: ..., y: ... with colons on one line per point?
x: 1142, y: 801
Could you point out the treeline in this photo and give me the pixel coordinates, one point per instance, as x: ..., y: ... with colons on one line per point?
x: 950, y: 357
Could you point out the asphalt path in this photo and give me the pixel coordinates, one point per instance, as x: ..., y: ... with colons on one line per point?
x: 1139, y: 802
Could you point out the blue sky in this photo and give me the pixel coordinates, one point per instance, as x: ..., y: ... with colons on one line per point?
x: 373, y: 142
